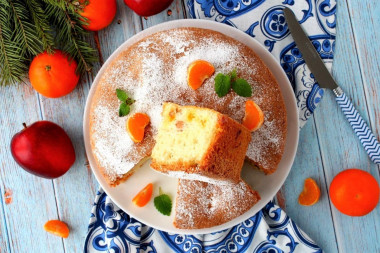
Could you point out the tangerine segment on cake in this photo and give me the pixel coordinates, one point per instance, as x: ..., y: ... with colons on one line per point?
x: 154, y: 70
x: 193, y: 140
x: 203, y: 205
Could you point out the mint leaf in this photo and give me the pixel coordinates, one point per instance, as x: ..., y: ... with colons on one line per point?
x: 163, y: 204
x: 222, y: 84
x: 124, y: 109
x: 121, y: 95
x: 233, y: 75
x: 242, y: 88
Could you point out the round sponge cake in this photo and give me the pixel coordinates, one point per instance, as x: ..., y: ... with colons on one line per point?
x: 154, y: 70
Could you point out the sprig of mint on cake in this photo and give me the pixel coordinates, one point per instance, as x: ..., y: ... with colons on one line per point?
x: 224, y: 82
x: 126, y: 102
x: 163, y: 203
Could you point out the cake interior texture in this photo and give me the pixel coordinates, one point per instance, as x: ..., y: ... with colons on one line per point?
x: 185, y: 134
x: 201, y: 141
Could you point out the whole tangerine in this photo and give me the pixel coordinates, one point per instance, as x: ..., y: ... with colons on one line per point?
x: 53, y: 75
x: 354, y: 192
x: 99, y: 13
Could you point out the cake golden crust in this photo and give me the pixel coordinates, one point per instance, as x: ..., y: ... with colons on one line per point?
x: 203, y: 205
x: 154, y: 70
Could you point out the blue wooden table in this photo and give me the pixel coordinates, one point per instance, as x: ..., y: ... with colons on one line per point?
x: 327, y: 144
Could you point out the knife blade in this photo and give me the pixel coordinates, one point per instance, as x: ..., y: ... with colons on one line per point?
x: 325, y: 80
x: 310, y: 55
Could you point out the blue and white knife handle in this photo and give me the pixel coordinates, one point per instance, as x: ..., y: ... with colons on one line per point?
x: 366, y: 137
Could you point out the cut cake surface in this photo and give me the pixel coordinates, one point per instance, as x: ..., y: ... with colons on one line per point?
x: 200, y: 141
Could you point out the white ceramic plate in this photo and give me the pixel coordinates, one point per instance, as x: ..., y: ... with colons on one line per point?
x: 267, y: 186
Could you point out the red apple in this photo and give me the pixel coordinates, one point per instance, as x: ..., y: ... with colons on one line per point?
x: 147, y: 8
x: 43, y: 149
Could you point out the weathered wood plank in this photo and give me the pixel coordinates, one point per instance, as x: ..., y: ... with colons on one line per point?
x: 33, y: 201
x: 316, y: 220
x: 365, y: 20
x: 4, y: 240
x: 185, y: 9
x: 125, y: 25
x: 339, y: 146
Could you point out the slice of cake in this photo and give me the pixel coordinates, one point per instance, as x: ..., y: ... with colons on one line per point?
x: 194, y: 142
x: 203, y: 205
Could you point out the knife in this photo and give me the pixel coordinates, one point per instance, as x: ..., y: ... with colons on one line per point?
x: 325, y: 80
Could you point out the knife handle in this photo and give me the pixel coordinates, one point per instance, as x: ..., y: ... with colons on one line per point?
x: 366, y: 137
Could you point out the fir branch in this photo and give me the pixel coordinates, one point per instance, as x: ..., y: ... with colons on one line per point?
x: 70, y: 36
x: 24, y: 31
x: 41, y: 24
x: 12, y: 62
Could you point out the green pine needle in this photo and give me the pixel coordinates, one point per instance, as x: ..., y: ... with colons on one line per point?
x: 12, y: 61
x: 24, y: 31
x: 43, y: 29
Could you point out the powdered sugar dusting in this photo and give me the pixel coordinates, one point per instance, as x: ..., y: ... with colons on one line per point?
x: 121, y: 143
x: 223, y: 58
x: 153, y: 71
x: 262, y: 141
x: 195, y: 176
x: 200, y: 204
x: 177, y: 42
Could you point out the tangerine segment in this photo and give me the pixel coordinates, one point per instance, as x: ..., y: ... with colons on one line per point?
x: 57, y: 227
x: 197, y: 72
x: 142, y: 198
x: 310, y: 194
x: 254, y: 116
x: 354, y: 192
x: 136, y: 126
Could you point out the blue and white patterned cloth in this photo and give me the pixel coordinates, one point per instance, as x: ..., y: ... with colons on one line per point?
x: 265, y: 21
x: 270, y: 230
